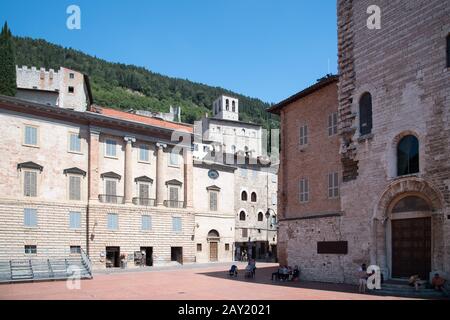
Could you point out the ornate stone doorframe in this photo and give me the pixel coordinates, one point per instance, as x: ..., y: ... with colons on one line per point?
x: 396, y: 190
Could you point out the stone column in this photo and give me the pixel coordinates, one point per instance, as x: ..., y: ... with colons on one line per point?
x: 94, y: 178
x: 188, y: 176
x: 129, y: 168
x: 160, y: 173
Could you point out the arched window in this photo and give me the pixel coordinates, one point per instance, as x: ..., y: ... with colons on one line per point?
x: 213, y: 234
x: 411, y: 203
x: 244, y: 196
x: 227, y: 104
x: 253, y: 197
x: 260, y: 216
x: 233, y: 104
x: 242, y: 216
x: 408, y: 155
x: 365, y: 114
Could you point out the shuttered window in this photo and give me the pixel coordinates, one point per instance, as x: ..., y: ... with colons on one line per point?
x: 111, y: 148
x: 30, y: 217
x: 176, y: 224
x: 30, y: 183
x: 144, y: 190
x: 144, y: 154
x: 173, y: 196
x: 74, y: 142
x: 303, y: 135
x: 74, y: 188
x: 213, y: 196
x: 113, y: 221
x: 74, y: 220
x: 244, y: 233
x: 110, y: 186
x: 333, y: 185
x: 31, y: 136
x: 332, y: 124
x: 146, y: 223
x: 304, y: 190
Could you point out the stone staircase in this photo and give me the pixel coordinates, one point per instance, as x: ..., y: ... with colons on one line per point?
x: 401, y: 288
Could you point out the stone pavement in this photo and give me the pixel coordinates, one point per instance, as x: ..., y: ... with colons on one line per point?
x: 204, y: 282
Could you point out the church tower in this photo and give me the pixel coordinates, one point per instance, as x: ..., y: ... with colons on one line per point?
x: 226, y: 108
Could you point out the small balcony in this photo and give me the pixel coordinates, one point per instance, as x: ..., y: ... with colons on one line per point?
x: 147, y: 202
x: 107, y: 198
x: 174, y: 204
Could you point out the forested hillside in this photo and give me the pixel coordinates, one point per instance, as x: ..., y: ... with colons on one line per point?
x: 127, y: 86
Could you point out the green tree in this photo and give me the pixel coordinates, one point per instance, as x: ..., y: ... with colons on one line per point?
x: 7, y: 63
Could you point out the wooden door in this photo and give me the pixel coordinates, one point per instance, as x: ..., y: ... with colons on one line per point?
x: 213, y: 251
x: 411, y: 248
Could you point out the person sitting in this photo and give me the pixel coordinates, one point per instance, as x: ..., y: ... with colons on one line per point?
x: 438, y: 282
x: 233, y: 271
x: 414, y: 281
x: 296, y: 274
x: 284, y: 274
x: 277, y: 274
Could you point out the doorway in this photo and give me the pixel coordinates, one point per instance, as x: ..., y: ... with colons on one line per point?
x: 411, y: 247
x: 113, y: 257
x: 148, y: 255
x: 213, y: 251
x: 176, y: 254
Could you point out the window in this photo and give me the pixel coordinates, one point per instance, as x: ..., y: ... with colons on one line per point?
x: 30, y: 217
x: 199, y: 247
x: 242, y: 216
x: 74, y: 220
x: 74, y: 188
x: 233, y: 106
x: 111, y: 148
x: 74, y: 142
x: 274, y: 178
x: 113, y: 221
x: 274, y: 199
x: 173, y: 197
x: 227, y: 245
x: 244, y: 196
x: 304, y: 190
x: 213, y: 197
x: 30, y: 249
x: 195, y: 147
x: 176, y: 224
x: 365, y: 114
x: 144, y: 154
x: 233, y: 148
x: 244, y: 233
x: 31, y: 136
x: 71, y: 89
x: 75, y: 250
x: 144, y: 191
x: 260, y: 216
x: 173, y: 159
x: 408, y: 156
x: 304, y: 135
x: 448, y: 51
x: 30, y: 183
x: 332, y: 124
x: 146, y: 223
x: 227, y: 104
x: 71, y: 76
x: 333, y: 185
x: 110, y: 187
x: 253, y: 197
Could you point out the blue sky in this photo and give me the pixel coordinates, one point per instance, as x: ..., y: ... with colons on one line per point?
x: 261, y: 48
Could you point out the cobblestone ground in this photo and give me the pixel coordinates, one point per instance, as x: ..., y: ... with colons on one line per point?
x: 206, y: 282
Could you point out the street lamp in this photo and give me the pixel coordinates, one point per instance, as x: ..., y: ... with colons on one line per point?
x: 267, y: 230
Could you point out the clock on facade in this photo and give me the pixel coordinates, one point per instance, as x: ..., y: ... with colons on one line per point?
x: 213, y: 174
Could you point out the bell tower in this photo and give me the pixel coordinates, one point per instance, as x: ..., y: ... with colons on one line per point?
x: 226, y: 108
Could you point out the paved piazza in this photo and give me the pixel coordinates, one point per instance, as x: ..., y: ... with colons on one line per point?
x: 205, y: 282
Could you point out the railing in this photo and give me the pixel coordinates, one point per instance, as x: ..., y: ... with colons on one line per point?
x: 174, y: 204
x: 106, y: 198
x: 87, y: 261
x: 144, y: 202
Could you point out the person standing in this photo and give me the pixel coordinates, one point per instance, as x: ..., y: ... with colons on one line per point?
x: 362, y: 275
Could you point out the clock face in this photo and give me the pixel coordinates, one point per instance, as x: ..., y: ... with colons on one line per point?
x: 213, y: 174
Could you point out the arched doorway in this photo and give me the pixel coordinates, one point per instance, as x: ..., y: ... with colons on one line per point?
x: 410, y: 233
x: 406, y: 233
x: 213, y: 240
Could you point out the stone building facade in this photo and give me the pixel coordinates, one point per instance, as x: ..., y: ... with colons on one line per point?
x: 103, y: 181
x: 393, y: 113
